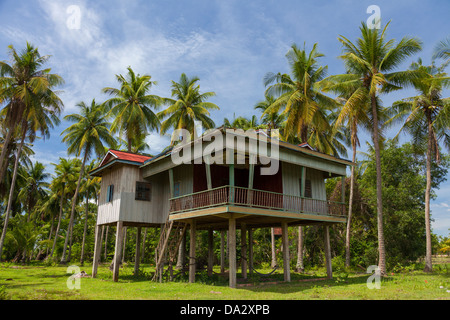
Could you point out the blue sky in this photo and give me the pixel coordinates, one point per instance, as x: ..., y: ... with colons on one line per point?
x: 230, y: 45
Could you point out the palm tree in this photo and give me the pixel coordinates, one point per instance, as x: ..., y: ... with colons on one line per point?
x: 187, y: 106
x: 351, y: 116
x: 65, y: 176
x: 304, y: 105
x: 442, y: 50
x: 243, y: 123
x: 428, y: 122
x: 41, y: 110
x: 90, y: 189
x: 369, y: 65
x: 35, y: 186
x: 27, y: 90
x: 86, y: 135
x: 273, y: 120
x: 132, y: 106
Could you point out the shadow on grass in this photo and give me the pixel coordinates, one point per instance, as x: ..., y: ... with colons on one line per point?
x: 298, y: 285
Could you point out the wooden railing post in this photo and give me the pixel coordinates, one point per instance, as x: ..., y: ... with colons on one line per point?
x: 231, y: 181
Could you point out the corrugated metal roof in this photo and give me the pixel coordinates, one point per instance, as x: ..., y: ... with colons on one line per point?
x: 122, y: 155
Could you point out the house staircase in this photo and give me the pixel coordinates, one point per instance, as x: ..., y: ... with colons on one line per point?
x: 169, y: 242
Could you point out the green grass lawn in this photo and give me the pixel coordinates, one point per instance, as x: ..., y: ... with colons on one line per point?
x: 39, y: 282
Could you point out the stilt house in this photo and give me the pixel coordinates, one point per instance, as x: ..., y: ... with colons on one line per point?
x: 224, y: 180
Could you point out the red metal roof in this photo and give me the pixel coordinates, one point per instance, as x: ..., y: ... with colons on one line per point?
x: 121, y: 155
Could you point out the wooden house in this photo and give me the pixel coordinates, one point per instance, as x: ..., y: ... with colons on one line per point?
x: 221, y: 190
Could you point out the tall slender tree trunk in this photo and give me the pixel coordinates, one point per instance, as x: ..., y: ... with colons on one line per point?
x: 51, y: 232
x: 106, y: 241
x: 129, y: 144
x: 300, y: 265
x: 428, y: 261
x: 350, y: 208
x: 274, y: 256
x: 72, y: 212
x: 4, y: 154
x: 11, y: 190
x: 376, y: 143
x: 84, y: 231
x: 143, y: 246
x: 61, y: 201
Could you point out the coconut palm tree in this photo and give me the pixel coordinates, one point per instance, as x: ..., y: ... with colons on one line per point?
x: 39, y: 115
x: 131, y: 106
x: 428, y: 122
x: 86, y: 136
x: 442, y: 50
x: 351, y: 116
x: 35, y: 186
x: 186, y: 106
x: 273, y: 120
x: 243, y: 123
x: 90, y: 189
x: 370, y: 65
x: 26, y: 89
x: 304, y: 105
x: 65, y: 176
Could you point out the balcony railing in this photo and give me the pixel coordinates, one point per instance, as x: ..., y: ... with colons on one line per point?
x: 228, y: 195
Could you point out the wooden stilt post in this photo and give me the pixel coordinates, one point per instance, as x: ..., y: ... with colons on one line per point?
x: 97, y: 248
x: 137, y: 257
x: 192, y: 252
x: 222, y: 251
x: 118, y: 250
x: 232, y: 251
x: 328, y: 252
x: 286, y: 260
x: 250, y: 250
x: 244, y: 250
x: 210, y: 251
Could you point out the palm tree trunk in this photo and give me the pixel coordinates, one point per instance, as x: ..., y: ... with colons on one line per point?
x: 106, y: 241
x: 59, y: 221
x: 274, y: 256
x: 376, y: 143
x: 350, y: 209
x: 72, y: 212
x: 11, y: 191
x: 50, y: 233
x: 143, y: 245
x: 129, y: 144
x: 428, y: 261
x: 4, y: 154
x: 84, y: 231
x: 300, y: 266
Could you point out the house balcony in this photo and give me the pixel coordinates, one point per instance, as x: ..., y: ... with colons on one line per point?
x: 255, y: 202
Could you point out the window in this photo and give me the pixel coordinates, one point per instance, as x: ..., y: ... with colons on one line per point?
x: 143, y: 191
x: 308, y: 189
x: 110, y: 193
